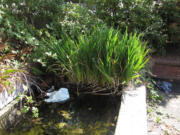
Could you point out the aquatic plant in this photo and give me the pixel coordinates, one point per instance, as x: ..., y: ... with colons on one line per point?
x: 104, y: 58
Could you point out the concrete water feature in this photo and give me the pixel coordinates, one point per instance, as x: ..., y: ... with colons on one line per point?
x: 131, y: 116
x: 86, y: 115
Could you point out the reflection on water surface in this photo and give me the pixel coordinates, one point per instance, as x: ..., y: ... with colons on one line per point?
x: 88, y: 115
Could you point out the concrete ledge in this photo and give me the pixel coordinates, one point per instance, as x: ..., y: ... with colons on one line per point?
x: 132, y: 119
x: 8, y: 114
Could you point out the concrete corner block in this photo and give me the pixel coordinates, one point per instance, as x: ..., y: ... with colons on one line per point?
x: 132, y: 119
x: 8, y: 114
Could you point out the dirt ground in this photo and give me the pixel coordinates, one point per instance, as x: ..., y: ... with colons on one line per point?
x: 164, y: 117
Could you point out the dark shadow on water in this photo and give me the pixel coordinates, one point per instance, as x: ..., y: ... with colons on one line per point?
x: 86, y: 115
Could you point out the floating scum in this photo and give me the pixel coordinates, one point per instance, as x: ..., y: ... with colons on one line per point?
x: 104, y: 58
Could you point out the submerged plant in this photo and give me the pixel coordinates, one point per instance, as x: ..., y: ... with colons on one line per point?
x: 104, y: 58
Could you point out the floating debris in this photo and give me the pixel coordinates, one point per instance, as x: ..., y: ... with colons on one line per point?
x: 65, y: 114
x: 51, y: 89
x: 165, y: 86
x: 60, y: 96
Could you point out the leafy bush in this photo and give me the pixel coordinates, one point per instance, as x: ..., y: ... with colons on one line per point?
x: 105, y: 57
x: 76, y: 19
x: 24, y: 23
x: 139, y: 16
x: 169, y: 11
x: 21, y: 19
x: 37, y: 13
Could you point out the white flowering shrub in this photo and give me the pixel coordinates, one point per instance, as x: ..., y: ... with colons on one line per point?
x: 77, y: 18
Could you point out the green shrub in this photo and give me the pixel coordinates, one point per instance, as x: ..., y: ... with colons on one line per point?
x: 36, y: 12
x: 21, y: 21
x: 169, y: 11
x: 27, y: 22
x: 77, y: 19
x: 105, y: 57
x: 137, y: 15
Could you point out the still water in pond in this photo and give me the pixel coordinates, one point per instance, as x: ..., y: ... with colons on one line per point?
x: 89, y: 115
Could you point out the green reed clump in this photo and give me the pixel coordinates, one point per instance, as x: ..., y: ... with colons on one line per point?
x: 105, y: 58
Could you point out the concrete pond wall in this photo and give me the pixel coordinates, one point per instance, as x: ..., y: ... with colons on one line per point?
x: 132, y: 118
x: 9, y: 105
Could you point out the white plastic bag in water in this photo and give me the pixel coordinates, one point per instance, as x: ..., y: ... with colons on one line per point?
x: 60, y: 96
